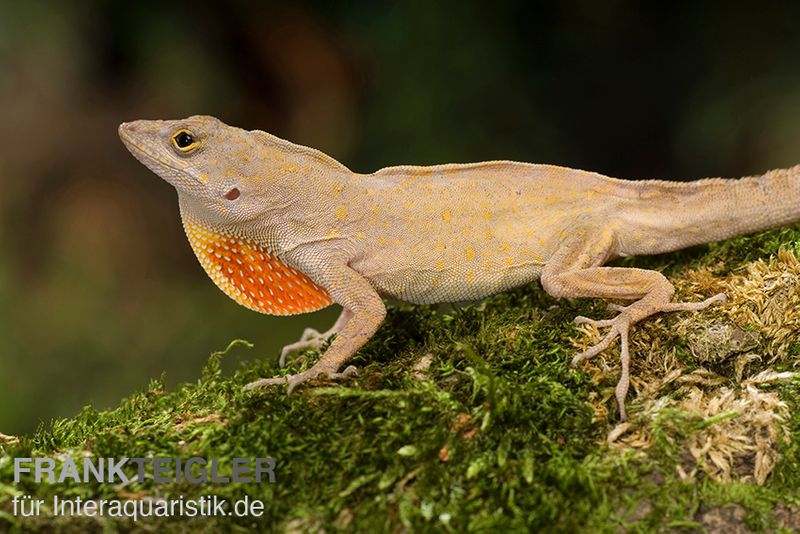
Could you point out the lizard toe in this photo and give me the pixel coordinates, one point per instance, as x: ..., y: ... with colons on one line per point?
x: 264, y: 382
x: 311, y: 374
x: 310, y: 334
x: 349, y: 371
x: 694, y: 306
x: 305, y: 343
x: 295, y: 380
x: 580, y: 319
x: 616, y: 307
x: 619, y: 329
x: 598, y: 348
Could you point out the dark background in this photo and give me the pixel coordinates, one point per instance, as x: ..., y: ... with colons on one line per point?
x: 99, y: 290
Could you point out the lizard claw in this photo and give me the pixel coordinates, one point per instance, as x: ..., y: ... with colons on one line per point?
x: 295, y: 380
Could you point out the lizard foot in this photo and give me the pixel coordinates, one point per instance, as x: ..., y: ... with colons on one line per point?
x: 620, y: 325
x: 311, y: 339
x: 671, y: 306
x: 619, y: 328
x: 295, y: 380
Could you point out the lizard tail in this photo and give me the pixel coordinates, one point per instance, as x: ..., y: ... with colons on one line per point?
x: 682, y: 214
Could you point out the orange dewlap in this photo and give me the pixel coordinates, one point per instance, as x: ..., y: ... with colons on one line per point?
x: 250, y: 275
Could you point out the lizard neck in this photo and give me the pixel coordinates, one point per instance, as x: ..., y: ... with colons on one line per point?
x: 250, y: 271
x: 667, y: 216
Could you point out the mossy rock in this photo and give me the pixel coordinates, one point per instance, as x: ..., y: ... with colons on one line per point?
x: 470, y: 418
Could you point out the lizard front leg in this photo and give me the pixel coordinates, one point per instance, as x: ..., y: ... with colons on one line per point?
x: 313, y: 339
x: 575, y: 271
x: 366, y: 313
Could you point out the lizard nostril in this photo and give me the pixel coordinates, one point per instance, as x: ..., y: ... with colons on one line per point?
x: 233, y: 194
x: 128, y: 127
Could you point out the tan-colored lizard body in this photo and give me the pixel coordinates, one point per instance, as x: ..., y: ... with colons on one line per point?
x: 285, y: 229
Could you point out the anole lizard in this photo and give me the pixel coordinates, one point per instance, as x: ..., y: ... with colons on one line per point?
x: 285, y: 229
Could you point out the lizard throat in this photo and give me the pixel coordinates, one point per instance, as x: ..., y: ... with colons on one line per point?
x: 252, y: 276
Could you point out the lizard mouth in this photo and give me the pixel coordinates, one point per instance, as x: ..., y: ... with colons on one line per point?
x: 132, y: 137
x: 138, y: 137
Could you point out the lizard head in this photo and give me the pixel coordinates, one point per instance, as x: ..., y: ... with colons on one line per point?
x: 213, y: 166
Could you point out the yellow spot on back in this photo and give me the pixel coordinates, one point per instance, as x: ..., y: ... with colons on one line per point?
x: 505, y: 246
x: 446, y: 215
x: 408, y: 205
x: 440, y: 247
x: 509, y: 261
x: 408, y: 181
x: 470, y: 254
x: 204, y: 178
x: 487, y: 215
x: 341, y: 212
x: 470, y: 276
x: 440, y: 265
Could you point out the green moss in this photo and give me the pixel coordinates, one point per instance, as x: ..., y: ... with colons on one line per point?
x: 498, y: 434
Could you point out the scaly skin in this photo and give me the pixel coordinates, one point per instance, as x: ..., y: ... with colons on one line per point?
x: 285, y: 229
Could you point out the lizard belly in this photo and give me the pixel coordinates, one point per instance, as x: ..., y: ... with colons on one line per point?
x: 431, y: 286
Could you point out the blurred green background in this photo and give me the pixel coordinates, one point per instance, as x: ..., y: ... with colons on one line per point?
x: 99, y: 290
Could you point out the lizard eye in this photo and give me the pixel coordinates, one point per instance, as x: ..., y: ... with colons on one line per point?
x: 184, y: 140
x: 233, y: 194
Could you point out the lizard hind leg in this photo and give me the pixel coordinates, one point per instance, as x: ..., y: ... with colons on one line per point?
x: 573, y: 275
